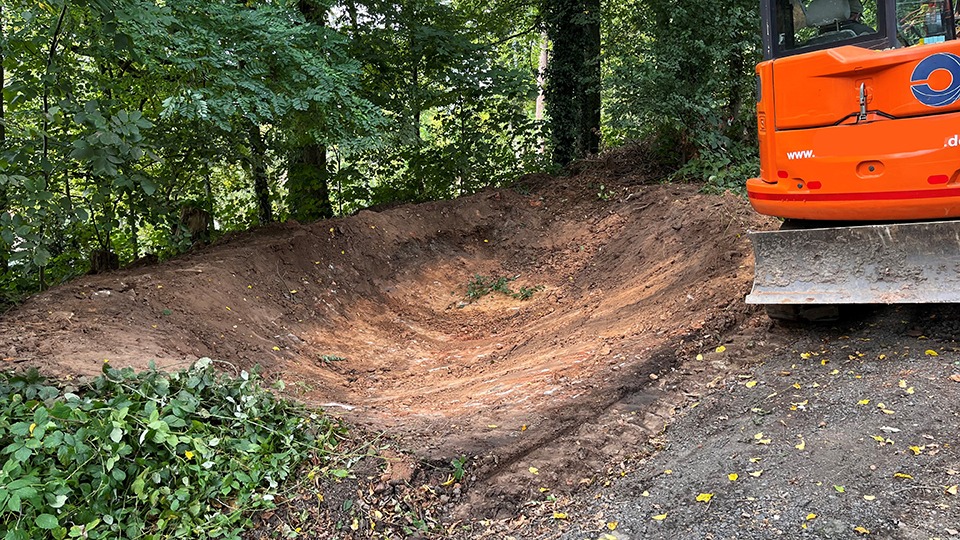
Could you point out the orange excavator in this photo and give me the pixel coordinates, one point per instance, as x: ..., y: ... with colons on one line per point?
x: 858, y: 117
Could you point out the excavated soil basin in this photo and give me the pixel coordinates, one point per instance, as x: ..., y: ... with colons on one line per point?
x: 371, y: 317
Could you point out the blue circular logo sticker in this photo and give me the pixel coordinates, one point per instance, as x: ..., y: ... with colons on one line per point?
x: 921, y: 75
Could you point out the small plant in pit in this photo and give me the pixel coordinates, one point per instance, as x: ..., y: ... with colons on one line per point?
x: 149, y: 455
x: 480, y: 286
x: 459, y: 465
x: 603, y: 193
x: 330, y: 358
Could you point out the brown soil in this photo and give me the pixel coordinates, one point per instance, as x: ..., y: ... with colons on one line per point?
x: 368, y: 317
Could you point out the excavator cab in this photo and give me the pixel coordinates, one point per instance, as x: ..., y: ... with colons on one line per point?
x: 858, y: 124
x: 800, y: 26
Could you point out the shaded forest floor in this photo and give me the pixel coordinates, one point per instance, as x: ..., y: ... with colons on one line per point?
x: 546, y: 399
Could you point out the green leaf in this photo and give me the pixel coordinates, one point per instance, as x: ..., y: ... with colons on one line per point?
x: 47, y: 521
x: 41, y: 257
x: 23, y: 454
x: 148, y: 186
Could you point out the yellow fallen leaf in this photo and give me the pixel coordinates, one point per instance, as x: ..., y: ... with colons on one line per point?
x: 755, y: 460
x: 763, y: 441
x: 909, y: 390
x: 699, y: 357
x: 293, y: 291
x: 952, y: 489
x: 835, y: 372
x: 811, y: 516
x: 758, y: 436
x: 902, y: 475
x: 276, y: 348
x: 668, y: 471
x: 751, y: 384
x: 882, y: 357
x: 660, y: 517
x: 492, y: 426
x: 840, y: 489
x: 449, y: 481
x: 645, y: 494
x: 523, y: 427
x: 756, y: 474
x: 796, y: 385
x: 824, y: 362
x: 733, y: 477
x: 862, y: 530
x: 801, y: 445
x: 869, y: 498
x: 612, y: 525
x: 915, y: 449
x: 228, y: 308
x: 721, y: 348
x: 902, y: 383
x: 888, y: 411
x: 534, y: 470
x: 704, y: 497
x: 930, y: 352
x: 559, y: 515
x: 355, y: 525
x: 544, y: 489
x: 805, y: 355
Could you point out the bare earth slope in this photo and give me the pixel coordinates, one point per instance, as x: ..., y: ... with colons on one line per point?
x: 635, y: 380
x: 368, y: 316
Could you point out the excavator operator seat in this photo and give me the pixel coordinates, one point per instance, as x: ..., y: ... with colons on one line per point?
x: 825, y: 12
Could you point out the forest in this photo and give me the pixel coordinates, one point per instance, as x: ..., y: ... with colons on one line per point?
x: 132, y: 130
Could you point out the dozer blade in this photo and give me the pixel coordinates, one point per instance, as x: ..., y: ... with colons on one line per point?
x: 905, y: 263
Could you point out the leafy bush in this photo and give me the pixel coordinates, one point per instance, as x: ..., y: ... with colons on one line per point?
x: 147, y: 455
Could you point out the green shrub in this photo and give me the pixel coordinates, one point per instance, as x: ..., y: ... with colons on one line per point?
x: 147, y: 455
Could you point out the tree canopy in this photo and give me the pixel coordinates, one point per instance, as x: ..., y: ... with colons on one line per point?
x: 134, y: 128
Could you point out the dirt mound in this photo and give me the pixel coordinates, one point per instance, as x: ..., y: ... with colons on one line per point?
x: 370, y: 315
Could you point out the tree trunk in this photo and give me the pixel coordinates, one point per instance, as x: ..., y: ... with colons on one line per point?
x: 573, y: 77
x: 4, y: 200
x: 590, y: 81
x: 308, y: 193
x: 541, y: 87
x: 258, y: 170
x: 132, y: 218
x: 562, y: 75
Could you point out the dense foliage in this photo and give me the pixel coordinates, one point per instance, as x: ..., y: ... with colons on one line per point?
x: 683, y: 76
x: 148, y: 455
x: 134, y: 128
